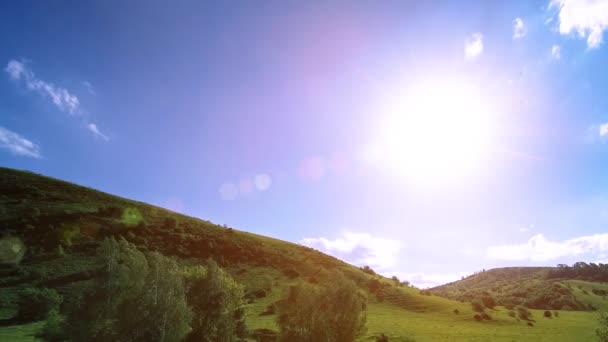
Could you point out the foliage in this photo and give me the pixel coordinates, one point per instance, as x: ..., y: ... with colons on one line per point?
x: 36, y: 303
x: 53, y: 330
x: 217, y: 302
x: 333, y: 313
x: 477, y: 306
x: 12, y: 250
x: 524, y: 313
x: 602, y: 331
x: 547, y: 314
x: 488, y: 301
x: 137, y: 297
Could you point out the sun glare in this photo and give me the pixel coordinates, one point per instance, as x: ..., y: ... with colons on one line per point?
x: 437, y: 132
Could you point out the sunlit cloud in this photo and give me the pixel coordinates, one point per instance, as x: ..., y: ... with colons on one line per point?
x: 95, y: 130
x: 539, y: 248
x: 519, y: 28
x: 473, y: 46
x: 428, y: 280
x: 359, y: 249
x: 587, y: 18
x: 60, y: 97
x: 556, y: 52
x: 17, y: 144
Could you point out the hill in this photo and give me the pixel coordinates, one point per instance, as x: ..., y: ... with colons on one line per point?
x: 552, y: 288
x: 51, y: 228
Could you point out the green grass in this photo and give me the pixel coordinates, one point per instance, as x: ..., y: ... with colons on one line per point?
x: 20, y: 333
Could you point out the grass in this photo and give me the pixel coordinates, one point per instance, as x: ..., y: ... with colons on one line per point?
x: 38, y: 209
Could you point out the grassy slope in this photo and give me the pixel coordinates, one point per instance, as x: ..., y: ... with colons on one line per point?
x: 255, y: 261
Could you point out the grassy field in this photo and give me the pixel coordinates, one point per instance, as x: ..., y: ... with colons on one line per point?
x: 48, y: 213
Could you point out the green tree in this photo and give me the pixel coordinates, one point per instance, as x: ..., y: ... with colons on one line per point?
x: 138, y: 297
x: 602, y: 330
x: 336, y: 313
x: 217, y: 302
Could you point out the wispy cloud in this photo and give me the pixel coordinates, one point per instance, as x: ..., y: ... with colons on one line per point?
x: 539, y: 248
x: 473, y: 46
x: 93, y: 128
x: 556, y: 52
x: 519, y: 28
x: 90, y: 88
x: 588, y: 18
x: 60, y: 97
x: 359, y: 249
x: 17, y: 144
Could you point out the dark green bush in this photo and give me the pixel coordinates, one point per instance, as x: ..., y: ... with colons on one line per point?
x: 547, y: 314
x: 35, y: 303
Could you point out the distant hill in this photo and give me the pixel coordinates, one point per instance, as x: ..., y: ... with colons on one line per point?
x: 554, y: 288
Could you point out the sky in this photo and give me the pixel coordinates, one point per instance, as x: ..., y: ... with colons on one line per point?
x: 426, y: 140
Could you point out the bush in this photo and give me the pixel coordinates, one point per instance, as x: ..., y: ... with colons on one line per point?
x: 524, y: 313
x: 477, y: 305
x: 12, y: 250
x: 137, y: 297
x: 555, y: 313
x: 374, y: 286
x: 530, y: 324
x: 547, y: 314
x: 368, y: 270
x: 456, y: 311
x: 602, y: 331
x: 35, y: 303
x: 511, y: 313
x: 382, y: 338
x: 486, y: 317
x: 477, y: 317
x: 333, y: 313
x: 488, y: 301
x: 52, y: 330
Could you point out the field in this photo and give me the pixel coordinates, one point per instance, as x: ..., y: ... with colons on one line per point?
x: 61, y: 224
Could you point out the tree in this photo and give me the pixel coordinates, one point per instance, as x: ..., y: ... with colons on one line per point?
x: 35, y: 303
x: 335, y: 313
x: 488, y: 301
x: 602, y: 330
x: 137, y: 297
x: 217, y: 302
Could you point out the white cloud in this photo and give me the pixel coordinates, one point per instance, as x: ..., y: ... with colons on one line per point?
x: 93, y: 128
x: 473, y: 46
x: 538, y: 248
x: 556, y: 52
x: 519, y: 28
x: 17, y: 144
x: 427, y: 280
x: 603, y: 130
x: 60, y: 97
x: 89, y: 87
x: 359, y: 249
x: 588, y: 18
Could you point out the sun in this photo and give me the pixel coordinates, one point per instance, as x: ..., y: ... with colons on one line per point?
x: 436, y: 132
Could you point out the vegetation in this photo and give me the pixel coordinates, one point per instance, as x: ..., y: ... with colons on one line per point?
x: 334, y: 313
x: 602, y: 330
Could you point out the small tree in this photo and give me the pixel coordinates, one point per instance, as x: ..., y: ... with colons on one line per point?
x: 602, y: 330
x: 333, y: 313
x: 138, y: 297
x: 477, y: 305
x: 217, y: 302
x: 523, y: 313
x: 547, y: 314
x: 488, y: 301
x: 35, y: 303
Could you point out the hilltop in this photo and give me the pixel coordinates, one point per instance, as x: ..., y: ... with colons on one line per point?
x: 57, y: 226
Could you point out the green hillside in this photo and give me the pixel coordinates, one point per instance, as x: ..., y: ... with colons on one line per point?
x: 51, y: 229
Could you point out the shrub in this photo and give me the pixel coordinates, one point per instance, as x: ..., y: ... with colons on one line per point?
x: 12, y: 250
x: 477, y: 305
x: 602, y: 331
x: 374, y: 286
x: 291, y: 273
x: 511, y: 313
x: 137, y: 297
x: 486, y: 316
x: 313, y: 313
x: 456, y: 311
x: 35, y: 303
x: 270, y: 310
x: 368, y: 270
x: 524, y: 313
x: 488, y: 301
x: 530, y: 324
x: 382, y: 338
x: 555, y: 313
x: 477, y: 317
x: 52, y: 330
x: 547, y: 314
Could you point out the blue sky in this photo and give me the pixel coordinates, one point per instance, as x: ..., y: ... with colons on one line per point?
x: 425, y: 140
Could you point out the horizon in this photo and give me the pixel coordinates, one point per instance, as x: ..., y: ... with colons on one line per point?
x: 426, y: 141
